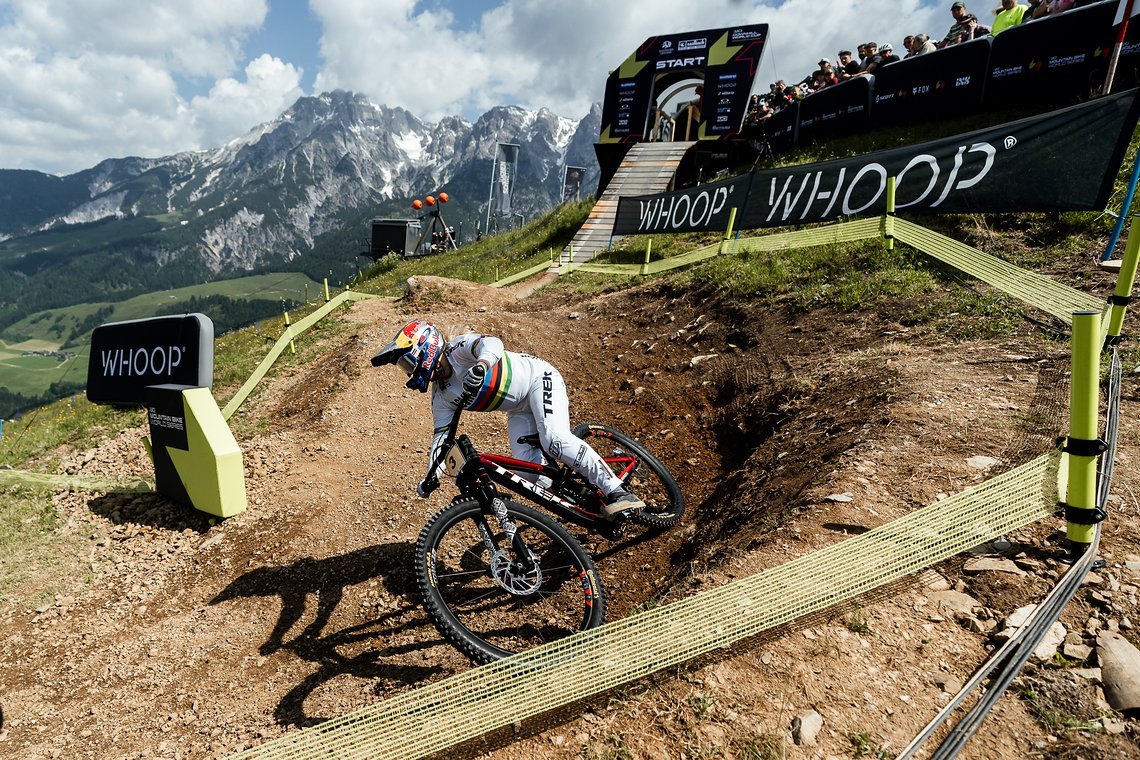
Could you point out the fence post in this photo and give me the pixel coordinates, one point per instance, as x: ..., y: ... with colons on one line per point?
x: 1122, y: 295
x: 889, y: 218
x: 327, y: 299
x: 728, y: 231
x: 289, y: 332
x: 645, y: 264
x: 1083, y: 445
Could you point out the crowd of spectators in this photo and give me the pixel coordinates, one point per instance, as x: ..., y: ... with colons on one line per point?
x: 871, y: 55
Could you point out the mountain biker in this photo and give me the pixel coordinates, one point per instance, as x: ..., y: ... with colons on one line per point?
x: 531, y: 391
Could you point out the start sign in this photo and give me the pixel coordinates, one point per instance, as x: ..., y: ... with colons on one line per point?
x: 126, y: 357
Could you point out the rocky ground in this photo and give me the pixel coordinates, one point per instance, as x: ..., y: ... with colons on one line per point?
x: 167, y: 634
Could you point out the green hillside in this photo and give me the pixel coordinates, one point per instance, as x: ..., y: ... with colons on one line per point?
x: 28, y: 373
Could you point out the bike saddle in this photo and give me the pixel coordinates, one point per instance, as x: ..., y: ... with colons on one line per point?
x: 531, y: 440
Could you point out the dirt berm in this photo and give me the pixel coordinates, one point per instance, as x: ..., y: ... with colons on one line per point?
x: 174, y: 637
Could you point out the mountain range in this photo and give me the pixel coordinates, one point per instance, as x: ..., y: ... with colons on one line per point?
x: 294, y: 194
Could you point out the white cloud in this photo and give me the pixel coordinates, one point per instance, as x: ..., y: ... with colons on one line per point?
x: 233, y: 107
x: 83, y: 80
x: 558, y: 55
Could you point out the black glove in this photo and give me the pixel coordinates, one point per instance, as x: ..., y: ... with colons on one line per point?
x: 426, y: 486
x: 473, y: 380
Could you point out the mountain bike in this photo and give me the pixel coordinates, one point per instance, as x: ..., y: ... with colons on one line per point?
x: 498, y: 576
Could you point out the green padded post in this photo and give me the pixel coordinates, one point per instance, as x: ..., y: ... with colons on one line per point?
x: 1125, y: 280
x: 645, y: 264
x: 289, y: 331
x: 728, y: 231
x: 1084, y: 397
x: 889, y: 219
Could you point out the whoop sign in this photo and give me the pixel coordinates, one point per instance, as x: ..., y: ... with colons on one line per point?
x: 126, y: 357
x: 167, y: 364
x: 1060, y: 161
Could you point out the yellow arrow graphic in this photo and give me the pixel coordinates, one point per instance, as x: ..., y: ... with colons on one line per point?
x: 631, y: 67
x: 721, y: 52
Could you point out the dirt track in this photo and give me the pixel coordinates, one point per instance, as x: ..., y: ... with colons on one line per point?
x: 176, y: 638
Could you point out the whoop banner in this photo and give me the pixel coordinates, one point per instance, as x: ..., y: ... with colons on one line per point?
x: 1061, y: 161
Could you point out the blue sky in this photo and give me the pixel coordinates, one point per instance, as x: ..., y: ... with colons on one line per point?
x: 84, y: 80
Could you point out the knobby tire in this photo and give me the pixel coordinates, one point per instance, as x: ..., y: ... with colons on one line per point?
x: 479, y: 617
x: 651, y: 480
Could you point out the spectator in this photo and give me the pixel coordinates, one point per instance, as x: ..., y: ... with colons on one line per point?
x: 823, y: 79
x: 964, y: 27
x: 848, y: 67
x: 873, y: 60
x: 888, y: 54
x: 824, y: 72
x: 1051, y: 7
x: 907, y: 42
x: 778, y: 97
x: 1009, y: 14
x: 923, y: 44
x: 861, y: 50
x: 758, y: 113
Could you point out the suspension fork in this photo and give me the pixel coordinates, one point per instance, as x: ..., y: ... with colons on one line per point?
x: 484, y: 491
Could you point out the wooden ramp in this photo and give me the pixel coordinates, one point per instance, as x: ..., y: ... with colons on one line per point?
x: 648, y: 168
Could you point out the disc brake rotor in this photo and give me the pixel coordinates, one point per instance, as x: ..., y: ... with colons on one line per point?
x: 512, y: 577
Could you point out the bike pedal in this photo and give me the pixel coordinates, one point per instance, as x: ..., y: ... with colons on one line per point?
x: 614, y: 531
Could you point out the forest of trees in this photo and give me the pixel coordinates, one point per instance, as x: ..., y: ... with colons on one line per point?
x: 14, y: 404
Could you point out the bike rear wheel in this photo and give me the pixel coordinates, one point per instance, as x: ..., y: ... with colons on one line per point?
x: 642, y: 473
x: 489, y: 605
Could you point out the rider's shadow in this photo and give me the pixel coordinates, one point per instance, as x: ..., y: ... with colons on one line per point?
x: 326, y: 579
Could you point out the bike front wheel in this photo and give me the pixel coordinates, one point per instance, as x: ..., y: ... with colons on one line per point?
x: 490, y: 602
x: 641, y: 473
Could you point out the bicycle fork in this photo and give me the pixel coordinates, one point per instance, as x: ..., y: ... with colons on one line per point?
x: 516, y: 571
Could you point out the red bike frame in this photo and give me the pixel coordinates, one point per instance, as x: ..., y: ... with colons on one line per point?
x: 503, y: 470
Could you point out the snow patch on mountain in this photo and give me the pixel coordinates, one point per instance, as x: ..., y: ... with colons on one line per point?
x: 104, y: 207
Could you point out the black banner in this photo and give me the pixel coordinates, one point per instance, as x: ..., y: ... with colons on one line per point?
x: 841, y: 109
x: 948, y: 83
x: 783, y: 128
x: 727, y: 59
x: 1054, y: 59
x: 126, y: 357
x: 1060, y: 161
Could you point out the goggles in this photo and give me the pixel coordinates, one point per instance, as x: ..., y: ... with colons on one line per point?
x: 407, y: 362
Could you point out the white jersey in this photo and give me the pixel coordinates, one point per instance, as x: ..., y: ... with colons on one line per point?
x: 505, y: 387
x: 532, y: 393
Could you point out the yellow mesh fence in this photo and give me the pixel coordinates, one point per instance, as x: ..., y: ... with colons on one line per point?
x: 291, y: 332
x: 45, y: 481
x: 470, y: 704
x: 846, y: 232
x: 518, y: 276
x: 1032, y: 288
